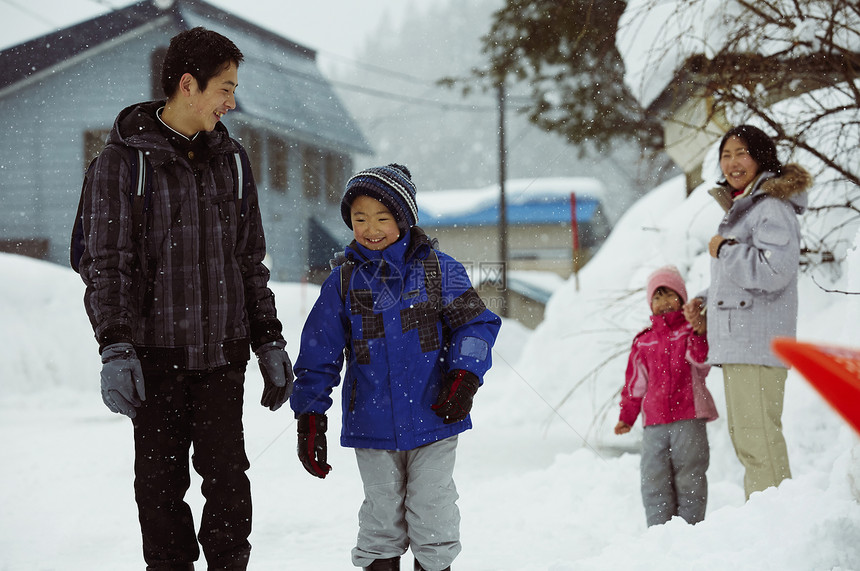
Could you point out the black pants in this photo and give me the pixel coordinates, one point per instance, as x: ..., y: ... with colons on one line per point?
x: 203, y: 409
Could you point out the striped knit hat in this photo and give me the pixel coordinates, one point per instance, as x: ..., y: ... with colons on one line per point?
x: 391, y: 185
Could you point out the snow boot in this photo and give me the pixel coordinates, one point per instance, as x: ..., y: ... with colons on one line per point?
x: 391, y: 564
x: 419, y: 568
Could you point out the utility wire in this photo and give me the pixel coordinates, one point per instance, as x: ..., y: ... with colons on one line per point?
x: 379, y: 93
x: 375, y: 68
x: 386, y: 94
x: 32, y: 13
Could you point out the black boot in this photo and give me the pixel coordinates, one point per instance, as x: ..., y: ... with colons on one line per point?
x: 419, y: 568
x: 392, y: 564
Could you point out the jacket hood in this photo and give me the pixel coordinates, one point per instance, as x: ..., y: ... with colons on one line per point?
x: 794, y: 181
x: 791, y: 187
x: 137, y: 126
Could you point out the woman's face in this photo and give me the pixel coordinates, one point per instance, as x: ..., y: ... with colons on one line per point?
x: 737, y: 164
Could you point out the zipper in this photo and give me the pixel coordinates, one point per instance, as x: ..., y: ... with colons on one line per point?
x: 204, y: 265
x: 352, y: 394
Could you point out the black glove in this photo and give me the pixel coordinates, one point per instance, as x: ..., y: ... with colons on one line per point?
x: 122, y: 379
x: 313, y: 449
x: 455, y: 398
x: 277, y: 374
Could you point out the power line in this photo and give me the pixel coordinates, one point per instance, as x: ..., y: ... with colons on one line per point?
x: 32, y: 13
x: 447, y: 106
x: 374, y: 92
x: 403, y: 98
x: 373, y: 67
x: 387, y: 94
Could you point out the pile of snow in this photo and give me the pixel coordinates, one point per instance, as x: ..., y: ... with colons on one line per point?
x: 544, y: 483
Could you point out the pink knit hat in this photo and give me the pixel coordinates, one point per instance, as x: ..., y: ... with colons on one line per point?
x: 670, y: 277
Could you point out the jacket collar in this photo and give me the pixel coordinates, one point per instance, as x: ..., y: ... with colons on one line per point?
x: 671, y: 320
x: 414, y: 243
x: 138, y: 126
x: 790, y: 186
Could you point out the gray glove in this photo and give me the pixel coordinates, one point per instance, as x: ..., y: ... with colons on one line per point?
x: 277, y: 374
x: 122, y: 379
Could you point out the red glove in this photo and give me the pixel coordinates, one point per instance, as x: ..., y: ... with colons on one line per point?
x: 455, y: 398
x: 312, y: 448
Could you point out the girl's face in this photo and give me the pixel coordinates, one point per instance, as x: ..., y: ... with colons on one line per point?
x: 373, y: 224
x: 665, y: 300
x: 737, y: 164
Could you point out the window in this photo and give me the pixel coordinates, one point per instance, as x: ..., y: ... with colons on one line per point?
x: 156, y: 62
x: 278, y: 169
x: 311, y: 172
x: 94, y: 142
x: 335, y: 169
x: 253, y: 143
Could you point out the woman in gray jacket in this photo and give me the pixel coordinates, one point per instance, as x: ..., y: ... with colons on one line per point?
x: 753, y: 295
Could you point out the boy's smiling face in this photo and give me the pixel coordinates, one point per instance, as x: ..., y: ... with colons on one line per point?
x: 373, y: 224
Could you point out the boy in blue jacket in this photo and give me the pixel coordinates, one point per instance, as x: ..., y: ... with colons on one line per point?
x: 417, y: 341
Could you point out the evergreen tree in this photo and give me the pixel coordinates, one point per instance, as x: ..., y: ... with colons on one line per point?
x: 450, y: 138
x: 565, y: 53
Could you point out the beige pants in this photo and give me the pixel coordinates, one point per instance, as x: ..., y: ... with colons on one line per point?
x: 754, y: 397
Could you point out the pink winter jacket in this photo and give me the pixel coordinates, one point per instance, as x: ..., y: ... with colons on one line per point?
x: 666, y: 374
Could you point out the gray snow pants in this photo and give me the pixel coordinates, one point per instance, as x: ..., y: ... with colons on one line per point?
x: 675, y: 458
x: 409, y: 500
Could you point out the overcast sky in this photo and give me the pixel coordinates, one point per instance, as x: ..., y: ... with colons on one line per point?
x: 332, y: 27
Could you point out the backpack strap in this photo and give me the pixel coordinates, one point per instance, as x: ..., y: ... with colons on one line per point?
x: 433, y: 279
x: 140, y: 194
x: 346, y: 269
x: 244, y: 180
x: 76, y: 246
x: 433, y: 284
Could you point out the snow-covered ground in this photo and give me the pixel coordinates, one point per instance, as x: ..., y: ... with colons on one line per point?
x: 544, y: 486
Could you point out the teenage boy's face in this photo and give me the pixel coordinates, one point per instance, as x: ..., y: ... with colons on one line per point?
x: 373, y: 224
x: 207, y: 107
x: 665, y: 300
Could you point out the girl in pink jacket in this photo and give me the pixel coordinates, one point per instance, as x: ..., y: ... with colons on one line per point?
x: 665, y: 380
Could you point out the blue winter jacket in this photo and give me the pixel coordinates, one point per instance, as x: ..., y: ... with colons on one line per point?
x: 397, y: 352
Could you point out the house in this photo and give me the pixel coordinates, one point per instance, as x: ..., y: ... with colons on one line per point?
x: 60, y: 93
x: 694, y: 117
x: 539, y: 230
x: 526, y: 296
x: 540, y: 239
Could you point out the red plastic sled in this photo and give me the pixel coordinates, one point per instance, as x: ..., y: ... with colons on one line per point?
x: 833, y: 371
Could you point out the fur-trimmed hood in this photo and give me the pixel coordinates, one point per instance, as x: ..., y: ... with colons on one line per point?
x: 791, y: 186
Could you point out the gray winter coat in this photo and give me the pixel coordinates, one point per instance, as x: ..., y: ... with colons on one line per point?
x: 194, y: 295
x: 753, y: 293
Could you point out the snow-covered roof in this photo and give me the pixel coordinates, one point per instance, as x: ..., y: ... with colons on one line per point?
x: 297, y: 98
x: 542, y: 200
x: 655, y: 37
